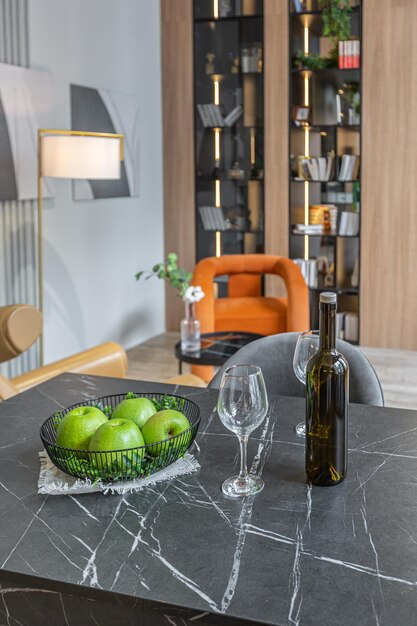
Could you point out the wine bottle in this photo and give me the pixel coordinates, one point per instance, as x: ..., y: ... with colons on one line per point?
x: 327, y: 403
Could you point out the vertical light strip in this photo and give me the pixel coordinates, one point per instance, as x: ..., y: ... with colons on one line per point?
x: 216, y: 9
x: 217, y: 144
x: 306, y: 90
x: 306, y: 217
x: 218, y: 243
x: 306, y: 145
x: 252, y: 146
x: 306, y: 40
x: 216, y: 85
x: 217, y: 198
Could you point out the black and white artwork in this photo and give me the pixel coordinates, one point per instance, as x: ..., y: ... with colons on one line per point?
x: 26, y: 104
x: 105, y: 111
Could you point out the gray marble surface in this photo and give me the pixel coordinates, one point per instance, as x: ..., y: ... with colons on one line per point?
x: 182, y: 553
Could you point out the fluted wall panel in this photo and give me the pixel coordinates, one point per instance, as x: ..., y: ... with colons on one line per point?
x: 18, y: 271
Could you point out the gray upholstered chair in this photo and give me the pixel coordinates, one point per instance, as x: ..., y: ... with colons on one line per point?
x: 274, y: 354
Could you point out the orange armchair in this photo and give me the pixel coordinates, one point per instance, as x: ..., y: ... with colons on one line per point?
x: 245, y: 309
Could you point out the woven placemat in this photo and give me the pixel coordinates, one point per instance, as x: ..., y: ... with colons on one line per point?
x: 56, y: 483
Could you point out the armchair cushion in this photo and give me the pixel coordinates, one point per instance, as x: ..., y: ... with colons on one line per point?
x: 107, y: 359
x: 266, y: 316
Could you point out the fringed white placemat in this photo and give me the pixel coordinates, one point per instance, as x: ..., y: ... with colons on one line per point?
x: 55, y: 483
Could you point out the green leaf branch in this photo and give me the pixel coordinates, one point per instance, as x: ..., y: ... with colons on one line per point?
x: 168, y: 270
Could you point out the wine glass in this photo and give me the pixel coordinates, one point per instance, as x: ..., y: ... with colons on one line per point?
x: 307, y: 345
x: 242, y: 406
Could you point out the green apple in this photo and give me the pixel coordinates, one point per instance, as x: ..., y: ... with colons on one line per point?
x: 78, y: 426
x: 138, y: 410
x: 162, y: 426
x: 116, y: 435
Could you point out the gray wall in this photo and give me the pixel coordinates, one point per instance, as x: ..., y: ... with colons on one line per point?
x: 92, y: 249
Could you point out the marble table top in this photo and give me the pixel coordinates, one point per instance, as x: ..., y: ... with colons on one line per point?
x: 290, y: 555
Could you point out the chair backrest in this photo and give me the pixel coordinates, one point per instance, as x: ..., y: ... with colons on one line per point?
x: 20, y: 326
x: 244, y: 271
x: 274, y: 355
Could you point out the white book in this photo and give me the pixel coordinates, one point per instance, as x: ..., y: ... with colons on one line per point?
x: 313, y: 168
x: 351, y: 326
x: 340, y: 324
x: 210, y: 114
x: 329, y: 167
x: 343, y: 224
x: 354, y: 224
x: 218, y: 116
x: 232, y: 117
x: 344, y: 167
x: 204, y: 219
x: 203, y: 116
x: 351, y: 165
x: 322, y: 167
x: 312, y: 273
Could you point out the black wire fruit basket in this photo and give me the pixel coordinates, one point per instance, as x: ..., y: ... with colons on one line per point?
x: 126, y: 464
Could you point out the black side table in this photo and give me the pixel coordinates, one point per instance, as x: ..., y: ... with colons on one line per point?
x: 216, y: 348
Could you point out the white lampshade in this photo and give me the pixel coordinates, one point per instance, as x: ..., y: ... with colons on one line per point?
x: 71, y: 156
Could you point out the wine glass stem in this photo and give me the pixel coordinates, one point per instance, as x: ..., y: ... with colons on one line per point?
x: 243, y: 440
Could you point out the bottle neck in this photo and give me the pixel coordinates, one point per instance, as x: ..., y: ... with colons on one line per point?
x: 327, y: 326
x: 190, y: 311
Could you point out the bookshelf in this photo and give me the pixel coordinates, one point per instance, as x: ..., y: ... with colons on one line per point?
x: 229, y: 126
x: 324, y: 160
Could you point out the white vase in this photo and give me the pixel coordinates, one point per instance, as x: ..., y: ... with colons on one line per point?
x: 190, y: 330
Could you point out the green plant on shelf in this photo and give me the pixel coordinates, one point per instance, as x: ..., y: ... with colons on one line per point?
x: 336, y: 20
x: 313, y: 61
x: 336, y: 27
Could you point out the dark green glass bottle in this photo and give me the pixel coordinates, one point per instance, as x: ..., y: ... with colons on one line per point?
x: 327, y: 403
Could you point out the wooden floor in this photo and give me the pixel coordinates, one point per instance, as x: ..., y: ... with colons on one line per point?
x: 397, y: 369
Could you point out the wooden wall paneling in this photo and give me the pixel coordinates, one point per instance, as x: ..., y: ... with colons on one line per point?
x: 388, y: 316
x: 276, y: 132
x: 178, y: 126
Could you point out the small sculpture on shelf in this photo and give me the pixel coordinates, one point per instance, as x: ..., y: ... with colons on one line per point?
x: 236, y: 172
x: 210, y: 56
x: 234, y: 63
x: 237, y: 217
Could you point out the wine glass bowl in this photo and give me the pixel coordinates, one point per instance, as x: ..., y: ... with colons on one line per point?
x: 242, y: 406
x: 306, y: 346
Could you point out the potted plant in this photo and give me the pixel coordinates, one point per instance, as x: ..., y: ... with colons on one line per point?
x: 179, y: 278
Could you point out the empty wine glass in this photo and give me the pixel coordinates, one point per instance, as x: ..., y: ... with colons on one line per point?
x: 242, y: 406
x: 307, y: 345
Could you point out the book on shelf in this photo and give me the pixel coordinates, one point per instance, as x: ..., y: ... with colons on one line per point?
x: 349, y: 54
x: 308, y: 229
x: 212, y: 218
x: 349, y: 224
x: 347, y: 325
x: 349, y: 167
x: 211, y: 115
x: 309, y: 270
x: 232, y: 117
x: 318, y: 168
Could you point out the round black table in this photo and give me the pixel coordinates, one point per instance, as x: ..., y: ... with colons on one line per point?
x: 215, y: 349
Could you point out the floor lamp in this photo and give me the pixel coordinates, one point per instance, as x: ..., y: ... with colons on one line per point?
x: 73, y: 154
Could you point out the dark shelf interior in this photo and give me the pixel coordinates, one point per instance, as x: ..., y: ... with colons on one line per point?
x: 334, y: 127
x: 228, y: 71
